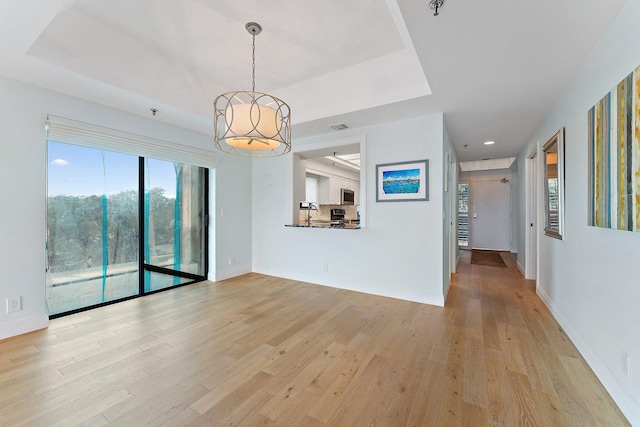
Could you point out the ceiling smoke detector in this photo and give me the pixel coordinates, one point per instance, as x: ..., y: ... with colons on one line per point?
x: 339, y: 126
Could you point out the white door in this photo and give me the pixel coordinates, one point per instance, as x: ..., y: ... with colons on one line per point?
x: 491, y: 216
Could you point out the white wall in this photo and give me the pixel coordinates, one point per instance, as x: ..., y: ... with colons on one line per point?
x: 450, y: 215
x: 591, y: 279
x: 232, y: 213
x: 23, y: 109
x: 399, y: 254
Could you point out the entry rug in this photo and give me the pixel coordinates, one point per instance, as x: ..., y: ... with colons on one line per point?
x: 491, y: 258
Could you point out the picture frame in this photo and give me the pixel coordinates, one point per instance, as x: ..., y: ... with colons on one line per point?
x: 446, y: 171
x: 613, y: 153
x: 402, y: 181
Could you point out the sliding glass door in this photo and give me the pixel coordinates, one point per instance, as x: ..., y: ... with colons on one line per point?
x: 92, y: 227
x: 97, y: 250
x: 174, y: 231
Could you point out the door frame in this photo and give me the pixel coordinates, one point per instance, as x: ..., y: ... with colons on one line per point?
x: 532, y: 217
x: 452, y: 176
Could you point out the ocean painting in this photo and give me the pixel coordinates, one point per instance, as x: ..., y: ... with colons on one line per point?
x: 401, y: 181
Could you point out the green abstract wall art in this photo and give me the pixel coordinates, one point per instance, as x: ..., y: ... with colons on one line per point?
x: 614, y: 157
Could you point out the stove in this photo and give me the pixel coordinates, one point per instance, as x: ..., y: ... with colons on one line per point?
x: 337, y: 215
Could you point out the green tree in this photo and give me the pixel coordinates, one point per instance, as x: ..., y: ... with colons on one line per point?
x: 74, y: 228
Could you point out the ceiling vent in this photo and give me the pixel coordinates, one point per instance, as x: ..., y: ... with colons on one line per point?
x: 339, y: 126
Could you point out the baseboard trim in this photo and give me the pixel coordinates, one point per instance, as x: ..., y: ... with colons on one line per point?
x: 24, y: 326
x: 446, y: 292
x: 520, y: 268
x: 623, y: 398
x: 431, y: 299
x: 228, y: 274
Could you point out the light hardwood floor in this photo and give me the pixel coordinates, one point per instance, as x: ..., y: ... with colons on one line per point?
x: 259, y: 350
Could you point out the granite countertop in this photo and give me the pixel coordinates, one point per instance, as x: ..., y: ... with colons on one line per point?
x: 326, y: 224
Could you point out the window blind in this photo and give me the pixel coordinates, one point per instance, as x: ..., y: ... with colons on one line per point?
x: 74, y: 132
x: 311, y: 189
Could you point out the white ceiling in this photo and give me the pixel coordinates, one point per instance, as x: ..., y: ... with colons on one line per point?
x: 494, y: 68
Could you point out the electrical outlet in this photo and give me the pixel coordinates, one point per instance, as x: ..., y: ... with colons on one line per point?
x: 14, y: 304
x: 325, y: 266
x: 626, y: 364
x: 232, y: 260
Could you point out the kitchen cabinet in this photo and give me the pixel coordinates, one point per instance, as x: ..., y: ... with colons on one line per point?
x: 329, y: 189
x: 324, y: 190
x: 335, y: 186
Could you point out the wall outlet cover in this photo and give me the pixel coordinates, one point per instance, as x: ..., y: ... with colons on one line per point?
x: 14, y: 304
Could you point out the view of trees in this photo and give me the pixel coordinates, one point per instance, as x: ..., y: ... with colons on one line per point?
x: 553, y: 194
x: 77, y: 233
x: 463, y: 214
x: 463, y: 197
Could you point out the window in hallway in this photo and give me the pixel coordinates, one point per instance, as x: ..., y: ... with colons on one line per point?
x: 463, y: 215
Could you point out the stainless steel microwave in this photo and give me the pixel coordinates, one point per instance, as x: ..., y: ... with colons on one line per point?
x: 347, y: 197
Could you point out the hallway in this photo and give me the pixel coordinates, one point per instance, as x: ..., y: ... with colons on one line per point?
x: 260, y: 350
x: 522, y: 364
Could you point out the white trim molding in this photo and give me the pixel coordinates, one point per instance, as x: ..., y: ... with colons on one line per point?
x: 24, y: 326
x: 228, y: 274
x: 623, y: 398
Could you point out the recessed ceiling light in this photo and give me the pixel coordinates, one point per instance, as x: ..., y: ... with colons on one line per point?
x: 489, y: 142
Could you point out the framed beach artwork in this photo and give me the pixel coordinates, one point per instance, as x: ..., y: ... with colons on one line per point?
x: 403, y: 181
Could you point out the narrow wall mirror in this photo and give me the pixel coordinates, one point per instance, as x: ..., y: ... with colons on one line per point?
x: 554, y: 185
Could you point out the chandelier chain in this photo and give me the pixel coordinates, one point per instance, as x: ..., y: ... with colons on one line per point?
x: 253, y: 64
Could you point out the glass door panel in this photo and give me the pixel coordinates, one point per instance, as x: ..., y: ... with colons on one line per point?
x: 157, y: 281
x: 174, y: 229
x: 92, y: 227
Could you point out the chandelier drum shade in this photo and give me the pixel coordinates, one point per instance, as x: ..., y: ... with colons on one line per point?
x: 250, y: 123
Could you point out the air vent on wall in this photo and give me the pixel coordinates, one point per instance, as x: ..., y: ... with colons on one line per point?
x: 339, y: 126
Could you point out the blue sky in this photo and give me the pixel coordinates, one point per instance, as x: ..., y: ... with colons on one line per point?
x: 78, y: 171
x: 401, y: 174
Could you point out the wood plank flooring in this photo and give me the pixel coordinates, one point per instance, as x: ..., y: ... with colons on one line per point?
x: 263, y: 351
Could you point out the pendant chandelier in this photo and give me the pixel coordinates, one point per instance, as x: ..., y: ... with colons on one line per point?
x: 251, y: 123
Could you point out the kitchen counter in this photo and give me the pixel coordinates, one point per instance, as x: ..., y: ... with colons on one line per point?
x: 327, y: 224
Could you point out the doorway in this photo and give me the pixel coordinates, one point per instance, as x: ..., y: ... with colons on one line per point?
x: 491, y: 214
